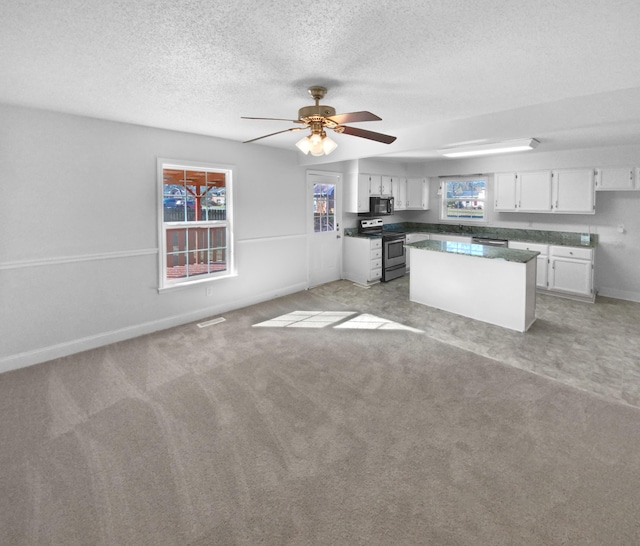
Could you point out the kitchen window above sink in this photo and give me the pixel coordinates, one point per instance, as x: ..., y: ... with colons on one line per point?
x: 463, y: 199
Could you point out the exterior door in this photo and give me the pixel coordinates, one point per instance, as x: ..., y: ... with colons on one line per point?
x: 324, y: 191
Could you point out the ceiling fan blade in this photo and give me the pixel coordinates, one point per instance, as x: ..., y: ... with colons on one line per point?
x: 274, y: 119
x: 354, y: 131
x: 276, y: 133
x: 354, y: 117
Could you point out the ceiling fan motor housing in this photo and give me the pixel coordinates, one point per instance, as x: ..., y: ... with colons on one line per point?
x: 316, y: 111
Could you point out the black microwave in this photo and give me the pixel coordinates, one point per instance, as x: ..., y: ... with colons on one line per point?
x: 379, y: 206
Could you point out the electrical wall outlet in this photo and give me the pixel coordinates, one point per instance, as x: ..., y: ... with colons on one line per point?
x: 209, y: 291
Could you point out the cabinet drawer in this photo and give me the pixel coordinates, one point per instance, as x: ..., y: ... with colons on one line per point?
x: 376, y: 243
x: 376, y: 263
x: 376, y: 253
x: 572, y: 252
x: 534, y: 247
x: 376, y: 274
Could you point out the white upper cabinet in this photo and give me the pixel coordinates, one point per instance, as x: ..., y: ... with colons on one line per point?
x: 574, y: 191
x: 357, y: 191
x: 399, y: 192
x: 561, y: 191
x: 375, y: 183
x: 386, y: 183
x: 504, y: 185
x: 616, y: 178
x: 417, y: 194
x: 534, y: 191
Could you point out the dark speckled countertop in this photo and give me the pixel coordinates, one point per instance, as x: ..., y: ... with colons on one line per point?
x: 564, y: 238
x: 480, y: 251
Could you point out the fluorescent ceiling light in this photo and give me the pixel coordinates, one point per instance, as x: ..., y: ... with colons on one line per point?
x: 493, y: 148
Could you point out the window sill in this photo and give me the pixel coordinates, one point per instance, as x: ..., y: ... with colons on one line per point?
x: 464, y: 221
x: 187, y: 284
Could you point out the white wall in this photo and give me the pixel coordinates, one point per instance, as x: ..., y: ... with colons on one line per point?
x: 79, y: 244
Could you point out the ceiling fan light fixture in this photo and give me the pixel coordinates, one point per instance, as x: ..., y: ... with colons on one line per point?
x: 317, y: 144
x: 508, y: 146
x: 304, y: 145
x: 328, y: 145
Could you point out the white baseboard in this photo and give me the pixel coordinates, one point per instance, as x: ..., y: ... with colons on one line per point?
x: 44, y: 354
x: 619, y: 294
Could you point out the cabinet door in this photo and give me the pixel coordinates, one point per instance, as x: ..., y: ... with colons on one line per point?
x: 386, y: 184
x: 363, y: 192
x: 570, y: 275
x: 534, y: 191
x: 542, y: 271
x: 504, y: 187
x: 615, y: 178
x: 399, y: 192
x: 542, y: 260
x: 375, y: 183
x: 417, y: 194
x: 574, y: 191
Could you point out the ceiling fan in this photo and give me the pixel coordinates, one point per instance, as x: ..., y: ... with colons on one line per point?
x: 319, y: 117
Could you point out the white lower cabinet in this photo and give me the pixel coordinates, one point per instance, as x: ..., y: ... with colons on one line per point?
x: 542, y: 260
x: 415, y: 238
x: 362, y: 259
x: 563, y: 270
x: 571, y: 270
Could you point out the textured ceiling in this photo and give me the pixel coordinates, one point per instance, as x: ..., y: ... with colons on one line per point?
x: 437, y: 72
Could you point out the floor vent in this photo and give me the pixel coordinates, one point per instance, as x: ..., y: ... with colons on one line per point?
x: 211, y: 322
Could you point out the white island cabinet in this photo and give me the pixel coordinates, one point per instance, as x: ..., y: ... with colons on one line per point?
x: 494, y: 285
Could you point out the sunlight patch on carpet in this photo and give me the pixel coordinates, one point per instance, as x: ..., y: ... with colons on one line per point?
x: 337, y: 319
x: 371, y: 322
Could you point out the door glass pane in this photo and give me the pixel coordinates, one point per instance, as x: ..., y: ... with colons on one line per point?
x: 324, y: 207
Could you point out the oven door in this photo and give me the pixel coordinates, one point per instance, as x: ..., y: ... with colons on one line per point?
x: 394, y: 252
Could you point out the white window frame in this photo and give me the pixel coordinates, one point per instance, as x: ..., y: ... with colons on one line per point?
x: 443, y: 199
x: 230, y: 271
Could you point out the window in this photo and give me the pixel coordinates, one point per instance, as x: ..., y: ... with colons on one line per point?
x: 195, y: 223
x: 324, y: 207
x: 463, y: 199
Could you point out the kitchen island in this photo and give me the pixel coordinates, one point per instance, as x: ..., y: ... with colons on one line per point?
x: 490, y: 284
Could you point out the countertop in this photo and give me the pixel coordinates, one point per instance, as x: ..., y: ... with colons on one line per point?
x: 562, y: 238
x: 480, y: 251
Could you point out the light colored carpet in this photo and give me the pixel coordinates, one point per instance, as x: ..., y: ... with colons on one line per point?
x: 234, y: 435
